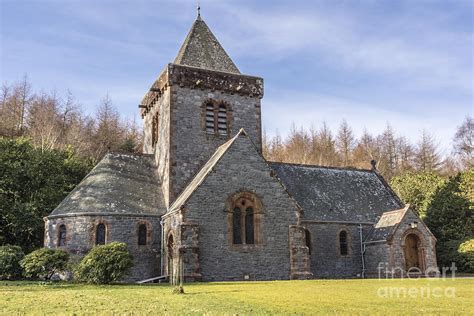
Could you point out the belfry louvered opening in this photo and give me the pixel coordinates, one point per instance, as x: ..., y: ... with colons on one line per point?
x: 216, y: 118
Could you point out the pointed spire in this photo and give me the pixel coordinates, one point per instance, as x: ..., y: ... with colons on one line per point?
x: 201, y: 49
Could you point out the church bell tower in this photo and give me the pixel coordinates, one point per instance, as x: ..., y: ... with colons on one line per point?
x: 197, y: 103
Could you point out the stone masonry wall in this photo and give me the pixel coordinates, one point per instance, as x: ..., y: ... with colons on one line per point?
x: 242, y: 169
x: 326, y: 260
x: 161, y: 107
x: 190, y: 145
x: 80, y: 238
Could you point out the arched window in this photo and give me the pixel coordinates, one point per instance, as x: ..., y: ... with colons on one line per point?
x: 343, y: 246
x: 307, y: 236
x: 244, y: 217
x: 100, y: 234
x: 216, y: 118
x: 62, y: 236
x: 142, y: 232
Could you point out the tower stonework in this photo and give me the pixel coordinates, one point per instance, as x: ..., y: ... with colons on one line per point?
x: 176, y: 109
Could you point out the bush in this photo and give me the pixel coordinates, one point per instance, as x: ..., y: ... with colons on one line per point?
x: 104, y: 264
x: 466, y: 249
x: 44, y: 263
x: 10, y: 257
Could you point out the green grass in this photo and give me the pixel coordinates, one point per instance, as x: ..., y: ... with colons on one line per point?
x: 278, y: 297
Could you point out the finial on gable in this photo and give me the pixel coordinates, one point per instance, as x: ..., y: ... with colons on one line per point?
x: 373, y: 162
x: 198, y: 10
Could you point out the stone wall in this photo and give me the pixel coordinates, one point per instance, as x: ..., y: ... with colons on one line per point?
x: 190, y: 145
x: 160, y: 107
x: 242, y: 169
x: 80, y: 238
x: 326, y: 260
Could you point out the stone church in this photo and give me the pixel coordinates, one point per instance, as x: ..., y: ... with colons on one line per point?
x: 202, y: 196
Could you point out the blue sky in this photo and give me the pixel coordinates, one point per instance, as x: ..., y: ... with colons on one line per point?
x: 370, y: 62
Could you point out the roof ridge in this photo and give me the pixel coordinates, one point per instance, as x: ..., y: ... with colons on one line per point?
x: 319, y: 166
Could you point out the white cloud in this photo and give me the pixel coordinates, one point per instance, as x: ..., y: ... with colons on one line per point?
x: 338, y: 39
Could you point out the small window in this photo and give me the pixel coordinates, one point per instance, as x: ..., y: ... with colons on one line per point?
x: 100, y: 235
x: 343, y: 247
x: 216, y: 118
x: 142, y: 232
x: 62, y: 236
x: 307, y: 236
x: 154, y: 130
x: 237, y: 226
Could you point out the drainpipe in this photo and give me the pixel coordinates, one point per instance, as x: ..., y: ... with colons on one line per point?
x: 162, y: 246
x: 362, y: 251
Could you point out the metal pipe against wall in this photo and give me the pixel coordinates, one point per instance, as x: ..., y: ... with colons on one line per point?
x: 362, y: 251
x: 162, y: 247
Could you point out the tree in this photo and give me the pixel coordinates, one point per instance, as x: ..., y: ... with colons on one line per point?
x: 388, y: 163
x: 345, y: 143
x: 464, y: 143
x: 450, y: 213
x: 324, y: 147
x: 427, y: 157
x: 417, y: 189
x: 109, y: 134
x: 32, y: 183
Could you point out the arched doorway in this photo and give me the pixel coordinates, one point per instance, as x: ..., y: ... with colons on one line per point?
x: 412, y: 258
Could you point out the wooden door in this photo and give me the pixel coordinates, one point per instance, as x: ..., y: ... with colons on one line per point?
x: 411, y: 252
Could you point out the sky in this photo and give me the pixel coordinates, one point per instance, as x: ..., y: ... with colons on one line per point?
x: 370, y: 62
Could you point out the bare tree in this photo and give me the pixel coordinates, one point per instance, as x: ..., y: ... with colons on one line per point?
x: 427, y: 157
x: 345, y: 144
x: 464, y: 143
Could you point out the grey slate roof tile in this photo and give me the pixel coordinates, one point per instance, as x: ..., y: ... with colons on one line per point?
x: 201, y: 49
x: 119, y: 183
x: 337, y: 194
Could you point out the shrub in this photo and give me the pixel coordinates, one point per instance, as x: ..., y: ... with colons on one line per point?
x: 10, y: 257
x: 44, y: 263
x: 104, y: 264
x: 466, y: 249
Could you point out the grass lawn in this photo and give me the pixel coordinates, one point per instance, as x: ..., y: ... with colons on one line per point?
x: 277, y: 297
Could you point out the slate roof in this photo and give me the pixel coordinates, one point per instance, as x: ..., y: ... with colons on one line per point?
x: 387, y: 225
x: 119, y: 184
x: 336, y: 194
x: 201, y: 49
